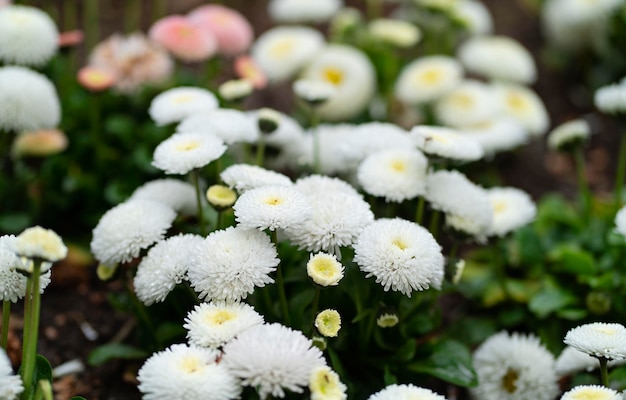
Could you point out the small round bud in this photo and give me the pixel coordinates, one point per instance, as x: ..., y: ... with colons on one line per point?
x: 221, y: 197
x: 268, y: 120
x: 324, y: 269
x: 387, y: 317
x: 313, y: 92
x: 41, y: 143
x: 328, y: 323
x: 235, y: 90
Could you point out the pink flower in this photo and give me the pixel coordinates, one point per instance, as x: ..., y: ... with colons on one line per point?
x: 247, y: 68
x: 95, y: 79
x: 71, y: 38
x: 233, y: 31
x: 183, y: 38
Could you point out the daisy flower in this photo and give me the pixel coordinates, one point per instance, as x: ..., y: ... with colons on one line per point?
x: 28, y: 100
x: 271, y: 207
x: 475, y: 15
x: 190, y: 373
x: 28, y: 36
x: 571, y: 361
x: 164, y: 267
x: 183, y: 152
x: 184, y: 39
x: 352, y: 74
x: 598, y: 339
x: 230, y: 263
x: 10, y: 384
x: 401, y: 255
x: 272, y: 358
x: 281, y: 52
x: 397, y: 392
x: 523, y: 105
x: 395, y: 174
x: 395, y: 32
x: 221, y: 197
x: 231, y: 126
x: 592, y: 392
x: 620, y: 221
x: 498, y: 58
x: 568, y: 134
x: 313, y: 92
x: 177, y: 194
x: 328, y: 323
x: 611, y: 99
x: 447, y: 143
x: 39, y: 243
x: 514, y: 367
x: 512, y: 209
x: 498, y: 134
x: 39, y: 143
x: 176, y: 104
x: 290, y: 11
x: 470, y: 103
x: 243, y: 177
x: 428, y: 78
x: 324, y: 269
x: 324, y: 384
x: 313, y: 184
x: 247, y: 69
x: 232, y: 30
x: 13, y: 282
x: 126, y: 229
x: 95, y: 79
x: 215, y: 324
x: 236, y: 90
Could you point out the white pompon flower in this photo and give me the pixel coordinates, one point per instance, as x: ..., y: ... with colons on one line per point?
x: 183, y: 152
x: 242, y: 177
x: 471, y: 102
x: 28, y: 100
x: 591, y: 392
x: 301, y: 11
x: 272, y: 207
x: 514, y: 367
x: 395, y: 174
x: 599, y: 339
x: 352, y: 74
x: 512, y: 209
x: 428, y: 78
x: 397, y: 392
x: 177, y: 194
x: 164, y: 267
x: 13, y: 282
x: 499, y: 58
x: 324, y: 384
x: 215, y: 324
x: 272, y: 358
x: 372, y: 137
x: 313, y: 92
x: 28, y: 36
x: 620, y: 221
x: 314, y: 184
x: 175, y: 104
x: 446, y: 143
x: 190, y: 373
x: 230, y: 263
x: 394, y: 32
x: 475, y: 15
x: 498, y: 134
x: 523, y: 105
x: 611, y: 99
x: 10, y: 384
x: 571, y: 361
x: 126, y: 229
x: 281, y: 52
x: 569, y: 133
x: 402, y: 255
x: 39, y: 243
x: 231, y: 126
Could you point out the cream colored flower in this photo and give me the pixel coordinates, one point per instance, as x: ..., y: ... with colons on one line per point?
x: 328, y: 322
x: 324, y: 269
x: 40, y: 243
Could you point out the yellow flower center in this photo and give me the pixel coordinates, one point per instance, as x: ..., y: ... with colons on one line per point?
x: 499, y: 206
x: 429, y: 77
x: 273, y: 201
x: 606, y: 331
x: 325, y: 267
x: 437, y: 138
x: 590, y: 394
x: 187, y: 146
x: 516, y: 102
x: 398, y: 165
x: 462, y: 100
x: 399, y: 243
x: 182, y: 98
x: 509, y: 381
x: 333, y: 75
x: 190, y: 365
x: 184, y: 31
x: 219, y: 317
x: 282, y: 48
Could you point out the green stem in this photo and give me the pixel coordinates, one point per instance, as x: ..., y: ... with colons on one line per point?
x: 196, y: 183
x: 316, y: 300
x: 91, y: 23
x: 220, y: 219
x: 434, y: 222
x: 6, y: 315
x: 260, y: 151
x: 281, y: 285
x: 604, y: 370
x: 317, y: 161
x: 31, y: 331
x: 583, y: 185
x: 419, y: 212
x: 621, y: 170
x: 96, y: 135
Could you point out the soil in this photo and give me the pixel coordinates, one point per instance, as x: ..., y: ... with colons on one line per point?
x: 76, y: 316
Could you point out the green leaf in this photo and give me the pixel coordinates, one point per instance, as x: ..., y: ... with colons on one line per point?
x: 450, y: 361
x: 42, y: 371
x: 168, y: 332
x: 107, y: 352
x: 571, y: 259
x: 551, y: 298
x: 15, y: 222
x: 78, y: 398
x: 389, y: 377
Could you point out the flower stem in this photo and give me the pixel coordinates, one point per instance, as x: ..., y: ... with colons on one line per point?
x: 31, y: 328
x: 419, y: 212
x: 91, y: 23
x: 260, y: 151
x: 434, y: 222
x: 604, y: 370
x: 196, y: 183
x: 583, y: 185
x: 316, y: 300
x: 6, y: 314
x: 621, y: 170
x: 281, y: 285
x: 317, y: 162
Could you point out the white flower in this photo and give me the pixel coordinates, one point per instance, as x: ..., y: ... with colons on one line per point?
x: 28, y: 100
x: 475, y: 15
x: 471, y: 102
x: 571, y: 361
x: 272, y: 207
x: 514, y: 367
x: 244, y: 177
x: 447, y: 143
x: 126, y: 229
x: 620, y: 221
x: 428, y: 78
x: 498, y: 58
x: 164, y: 267
x: 176, y: 104
x: 13, y: 282
x: 570, y: 132
x: 231, y: 126
x: 395, y: 174
x: 330, y: 141
x: 324, y: 384
x: 598, y: 339
x: 498, y: 134
x: 272, y: 358
x: 611, y: 99
x: 512, y: 209
x: 336, y: 220
x: 28, y: 36
x: 523, y: 105
x: 314, y: 184
x: 394, y: 32
x: 183, y: 152
x: 352, y: 74
x: 324, y: 269
x: 216, y: 323
x: 398, y: 392
x: 10, y: 384
x: 402, y: 255
x: 288, y: 131
x: 236, y: 89
x: 314, y: 92
x: 40, y: 243
x: 282, y: 51
x: 177, y: 194
x: 290, y: 11
x: 592, y: 392
x: 190, y: 373
x: 230, y: 263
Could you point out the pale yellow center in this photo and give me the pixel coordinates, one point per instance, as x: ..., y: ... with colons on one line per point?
x: 282, y: 48
x: 324, y: 267
x: 606, y: 331
x: 190, y: 365
x: 182, y: 98
x: 398, y: 165
x: 499, y: 206
x: 516, y: 102
x: 509, y: 381
x: 333, y: 75
x: 438, y: 138
x: 184, y: 31
x: 590, y: 394
x: 462, y: 100
x: 273, y: 201
x: 220, y: 317
x: 399, y: 243
x: 187, y: 146
x: 429, y: 77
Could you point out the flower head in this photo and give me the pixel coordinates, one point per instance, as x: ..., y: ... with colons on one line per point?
x: 393, y: 392
x: 428, y: 78
x: 40, y: 243
x: 247, y: 69
x: 599, y: 339
x: 569, y: 134
x: 28, y: 36
x: 13, y: 282
x: 95, y: 79
x: 232, y: 30
x: 475, y: 15
x: 324, y: 269
x: 324, y: 384
x: 10, y: 384
x: 571, y: 361
x: 591, y: 392
x: 512, y: 209
x: 314, y: 92
x: 394, y: 32
x: 401, y: 255
x: 175, y: 193
x: 243, y: 177
x: 446, y: 143
x: 328, y: 323
x: 176, y: 104
x: 291, y: 11
x: 498, y: 134
x: 611, y: 99
x: 470, y: 103
x: 39, y: 143
x: 221, y: 197
x: 184, y: 39
x: 183, y: 152
x: 236, y: 90
x: 231, y: 126
x: 272, y: 358
x: 524, y: 106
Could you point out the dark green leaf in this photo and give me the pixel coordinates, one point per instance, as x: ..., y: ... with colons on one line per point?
x: 107, y: 352
x: 568, y: 258
x: 168, y: 332
x: 450, y: 361
x: 551, y: 298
